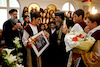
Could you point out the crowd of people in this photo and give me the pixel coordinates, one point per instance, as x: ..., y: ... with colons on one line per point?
x: 53, y: 23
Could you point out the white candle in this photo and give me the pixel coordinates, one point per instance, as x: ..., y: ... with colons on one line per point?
x: 64, y: 23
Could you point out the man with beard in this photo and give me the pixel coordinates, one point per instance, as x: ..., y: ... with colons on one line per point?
x: 11, y: 28
x: 61, y: 55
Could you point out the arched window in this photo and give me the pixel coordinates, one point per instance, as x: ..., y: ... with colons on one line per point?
x: 5, y: 6
x: 68, y: 7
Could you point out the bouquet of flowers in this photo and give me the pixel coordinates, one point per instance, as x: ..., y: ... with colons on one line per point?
x: 13, y: 59
x: 10, y: 59
x: 79, y: 42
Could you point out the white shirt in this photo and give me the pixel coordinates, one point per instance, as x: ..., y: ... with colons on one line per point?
x: 34, y: 29
x: 93, y: 30
x: 26, y: 35
x: 53, y: 30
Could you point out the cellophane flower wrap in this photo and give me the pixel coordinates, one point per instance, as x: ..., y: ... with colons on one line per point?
x: 78, y: 41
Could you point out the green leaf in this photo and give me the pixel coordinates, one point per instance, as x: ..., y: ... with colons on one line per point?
x: 86, y: 36
x: 6, y: 61
x: 14, y: 65
x: 4, y: 54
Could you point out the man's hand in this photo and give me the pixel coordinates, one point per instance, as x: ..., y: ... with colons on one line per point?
x: 86, y: 29
x: 29, y: 44
x: 17, y: 26
x: 21, y: 27
x: 65, y: 30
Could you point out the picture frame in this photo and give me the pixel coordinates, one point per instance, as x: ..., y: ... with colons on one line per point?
x: 39, y: 43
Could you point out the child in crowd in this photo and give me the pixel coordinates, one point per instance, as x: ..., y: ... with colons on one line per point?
x: 52, y: 27
x: 42, y: 27
x: 46, y: 26
x: 52, y: 33
x: 78, y: 17
x: 92, y: 58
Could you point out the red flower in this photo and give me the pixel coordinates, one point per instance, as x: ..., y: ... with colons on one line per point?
x: 75, y: 39
x: 80, y: 36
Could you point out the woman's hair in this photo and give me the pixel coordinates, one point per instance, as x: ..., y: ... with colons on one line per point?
x: 52, y: 23
x: 25, y: 21
x: 69, y: 12
x: 95, y: 17
x: 41, y: 25
x: 41, y: 10
x: 24, y: 13
x: 46, y: 15
x: 50, y: 11
x: 46, y: 9
x: 25, y: 7
x: 25, y: 16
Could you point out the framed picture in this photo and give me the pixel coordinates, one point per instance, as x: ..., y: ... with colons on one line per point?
x: 39, y: 43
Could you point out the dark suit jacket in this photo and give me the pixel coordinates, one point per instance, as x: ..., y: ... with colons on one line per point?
x: 8, y: 33
x: 69, y: 22
x: 56, y: 52
x: 53, y: 37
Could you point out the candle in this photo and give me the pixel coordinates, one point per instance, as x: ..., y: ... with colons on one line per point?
x: 64, y: 23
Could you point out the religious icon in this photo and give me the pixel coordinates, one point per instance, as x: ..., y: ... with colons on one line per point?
x: 33, y: 6
x: 39, y: 43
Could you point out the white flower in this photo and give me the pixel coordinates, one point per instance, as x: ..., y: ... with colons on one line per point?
x: 19, y: 65
x: 8, y: 50
x: 10, y: 58
x: 19, y: 54
x: 18, y: 57
x: 17, y: 43
x: 16, y: 40
x: 20, y: 60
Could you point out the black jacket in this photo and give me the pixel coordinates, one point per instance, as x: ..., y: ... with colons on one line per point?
x: 8, y: 33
